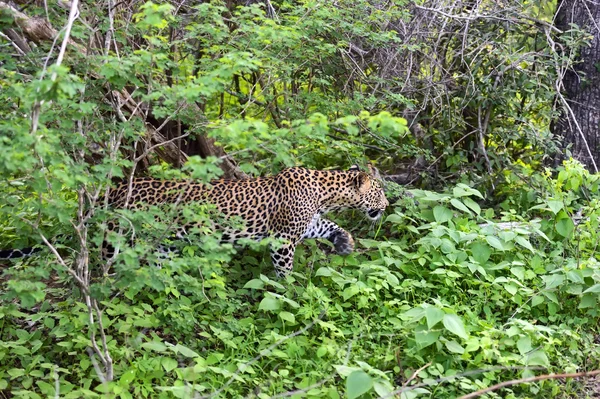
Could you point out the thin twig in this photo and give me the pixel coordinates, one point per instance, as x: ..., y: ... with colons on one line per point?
x: 414, y: 375
x: 528, y: 380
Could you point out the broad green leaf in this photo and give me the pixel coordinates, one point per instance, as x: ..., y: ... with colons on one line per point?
x: 519, y: 272
x: 127, y: 377
x: 462, y: 190
x: 511, y: 288
x: 287, y: 316
x: 454, y: 347
x: 473, y: 205
x: 324, y: 271
x: 256, y: 284
x: 455, y: 325
x: 551, y: 295
x: 537, y: 358
x: 575, y: 276
x: 395, y: 218
x: 187, y: 352
x: 155, y: 346
x: 555, y: 206
x: 593, y: 288
x: 565, y: 227
x: 495, y: 242
x: 168, y: 363
x: 14, y: 373
x: 481, y: 252
x: 524, y: 345
x: 524, y: 242
x: 553, y: 280
x: 459, y: 205
x: 442, y: 214
x: 588, y: 301
x: 425, y: 337
x: 538, y: 299
x: 382, y: 388
x: 433, y: 315
x: 322, y: 351
x: 269, y: 303
x: 358, y: 383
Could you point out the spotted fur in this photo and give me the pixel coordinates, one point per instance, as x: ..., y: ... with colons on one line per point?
x: 287, y: 206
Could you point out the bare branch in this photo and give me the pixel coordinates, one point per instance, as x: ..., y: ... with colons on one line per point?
x: 528, y: 380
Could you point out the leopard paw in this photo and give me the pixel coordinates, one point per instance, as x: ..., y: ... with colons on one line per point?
x: 343, y: 243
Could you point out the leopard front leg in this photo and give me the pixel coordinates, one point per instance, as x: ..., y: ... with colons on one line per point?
x: 283, y: 258
x: 323, y: 228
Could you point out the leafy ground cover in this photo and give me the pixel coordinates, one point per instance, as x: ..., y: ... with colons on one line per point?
x: 489, y: 276
x: 443, y: 298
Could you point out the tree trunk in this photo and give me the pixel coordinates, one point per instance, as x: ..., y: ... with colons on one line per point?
x: 579, y: 124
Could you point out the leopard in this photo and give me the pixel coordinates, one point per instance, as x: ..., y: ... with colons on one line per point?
x: 287, y: 206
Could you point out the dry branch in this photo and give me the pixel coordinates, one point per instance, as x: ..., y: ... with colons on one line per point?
x: 528, y: 380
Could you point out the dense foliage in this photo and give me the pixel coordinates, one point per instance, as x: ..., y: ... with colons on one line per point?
x: 492, y: 276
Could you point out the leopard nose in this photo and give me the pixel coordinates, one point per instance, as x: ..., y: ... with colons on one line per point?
x: 375, y: 213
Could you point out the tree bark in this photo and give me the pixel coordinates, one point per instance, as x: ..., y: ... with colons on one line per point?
x: 579, y: 124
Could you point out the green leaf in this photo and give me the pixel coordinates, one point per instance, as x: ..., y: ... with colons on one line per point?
x: 454, y: 324
x: 168, y: 363
x: 565, y: 227
x: 459, y: 205
x: 269, y: 303
x: 395, y: 218
x: 358, y: 383
x: 536, y: 300
x: 537, y: 358
x: 519, y: 272
x: 555, y: 206
x: 454, y: 347
x: 155, y: 346
x: 382, y: 388
x: 495, y: 242
x: 551, y: 295
x: 588, y: 301
x: 127, y: 377
x: 553, y: 280
x: 187, y: 352
x: 593, y: 288
x: 425, y: 337
x: 481, y: 252
x: 442, y: 214
x: 45, y: 388
x: 511, y: 288
x: 287, y: 316
x: 524, y: 242
x: 462, y: 190
x: 473, y: 205
x: 575, y: 276
x: 322, y: 351
x: 255, y: 284
x: 14, y: 373
x: 524, y: 345
x: 323, y: 271
x: 433, y: 315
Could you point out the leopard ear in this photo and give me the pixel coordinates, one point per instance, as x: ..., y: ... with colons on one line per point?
x: 362, y: 182
x: 374, y: 172
x: 354, y: 168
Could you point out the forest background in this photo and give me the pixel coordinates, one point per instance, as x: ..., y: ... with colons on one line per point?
x: 486, y: 111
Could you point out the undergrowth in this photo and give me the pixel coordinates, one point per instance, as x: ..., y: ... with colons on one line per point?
x: 470, y: 296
